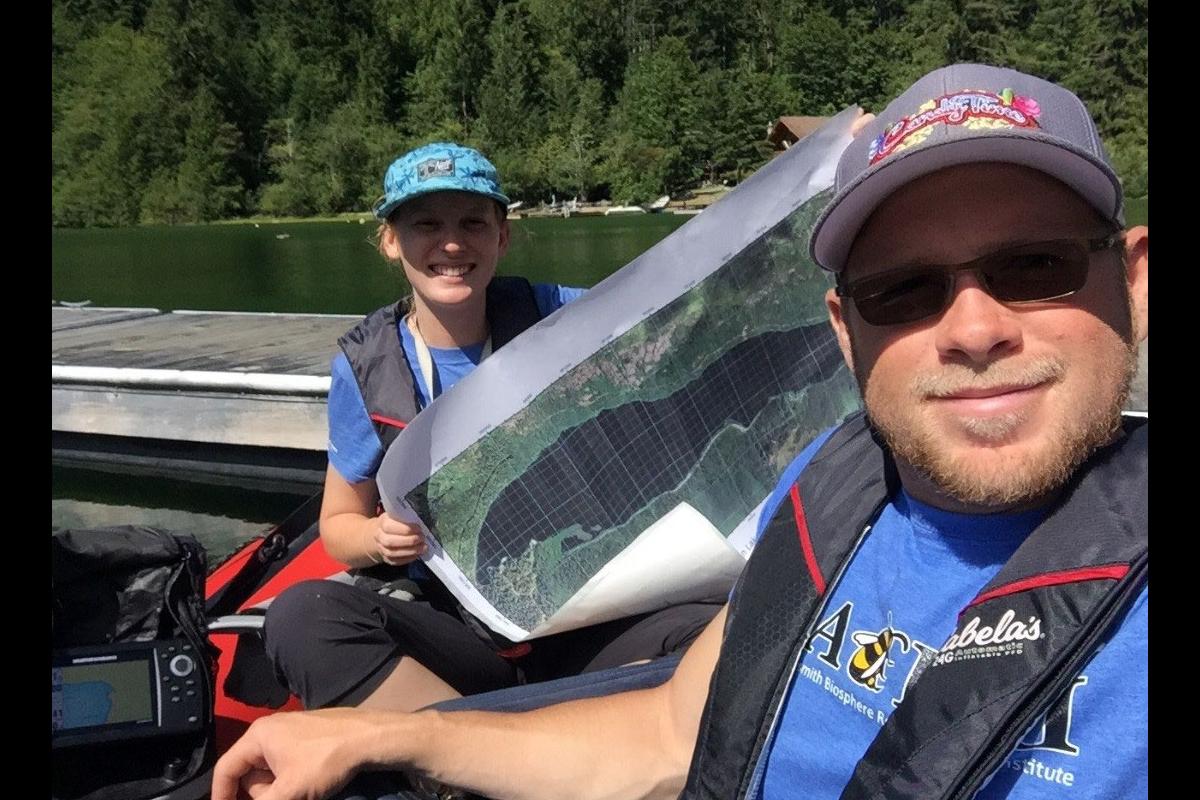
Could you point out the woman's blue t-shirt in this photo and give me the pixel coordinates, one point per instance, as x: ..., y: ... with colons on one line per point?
x: 354, y: 447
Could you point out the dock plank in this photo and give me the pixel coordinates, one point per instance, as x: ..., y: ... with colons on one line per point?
x: 286, y: 344
x: 63, y: 318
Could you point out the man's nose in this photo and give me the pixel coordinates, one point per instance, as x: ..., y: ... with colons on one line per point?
x: 976, y: 327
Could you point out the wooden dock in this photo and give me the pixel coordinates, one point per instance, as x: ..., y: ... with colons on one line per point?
x: 195, y: 378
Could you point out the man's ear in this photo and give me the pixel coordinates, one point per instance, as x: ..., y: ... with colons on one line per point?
x: 1137, y: 275
x: 838, y: 320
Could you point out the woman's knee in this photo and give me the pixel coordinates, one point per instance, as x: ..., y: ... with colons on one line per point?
x: 297, y: 620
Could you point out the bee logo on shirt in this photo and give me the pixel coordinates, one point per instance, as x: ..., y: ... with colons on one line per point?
x: 869, y: 662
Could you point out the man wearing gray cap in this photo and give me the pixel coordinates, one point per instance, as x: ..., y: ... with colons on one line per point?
x: 948, y: 597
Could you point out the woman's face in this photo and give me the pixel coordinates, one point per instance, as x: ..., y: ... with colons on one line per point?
x: 449, y: 243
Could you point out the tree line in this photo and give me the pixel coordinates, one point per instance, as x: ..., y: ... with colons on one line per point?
x: 194, y: 110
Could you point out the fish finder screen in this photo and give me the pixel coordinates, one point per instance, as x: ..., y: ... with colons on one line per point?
x: 86, y: 695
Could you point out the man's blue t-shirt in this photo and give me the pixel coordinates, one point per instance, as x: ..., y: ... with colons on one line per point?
x: 902, y: 593
x: 354, y: 447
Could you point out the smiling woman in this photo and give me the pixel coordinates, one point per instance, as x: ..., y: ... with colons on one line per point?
x: 443, y: 221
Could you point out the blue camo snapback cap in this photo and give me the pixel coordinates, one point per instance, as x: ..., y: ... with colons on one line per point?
x: 965, y: 114
x: 438, y: 167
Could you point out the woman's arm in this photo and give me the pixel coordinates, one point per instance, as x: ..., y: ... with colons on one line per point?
x: 355, y: 535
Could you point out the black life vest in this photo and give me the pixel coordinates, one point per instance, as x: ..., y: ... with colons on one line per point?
x: 1076, y: 573
x: 381, y: 368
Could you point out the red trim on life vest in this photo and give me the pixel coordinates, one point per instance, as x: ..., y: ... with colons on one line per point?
x: 395, y: 423
x: 1115, y: 573
x: 810, y: 555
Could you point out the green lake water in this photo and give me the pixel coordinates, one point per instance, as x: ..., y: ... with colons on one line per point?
x: 314, y: 267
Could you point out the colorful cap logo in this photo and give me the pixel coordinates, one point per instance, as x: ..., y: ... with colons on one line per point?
x: 975, y: 108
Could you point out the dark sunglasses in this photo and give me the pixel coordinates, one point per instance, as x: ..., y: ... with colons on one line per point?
x: 1026, y: 273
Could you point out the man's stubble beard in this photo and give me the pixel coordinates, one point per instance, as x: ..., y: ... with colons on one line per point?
x: 995, y: 482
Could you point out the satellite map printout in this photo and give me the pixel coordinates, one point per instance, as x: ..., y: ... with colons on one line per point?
x: 612, y: 459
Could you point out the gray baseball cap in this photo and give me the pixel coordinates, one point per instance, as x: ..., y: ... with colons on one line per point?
x: 961, y: 114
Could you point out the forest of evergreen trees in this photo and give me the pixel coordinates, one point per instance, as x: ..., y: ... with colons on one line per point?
x: 193, y: 110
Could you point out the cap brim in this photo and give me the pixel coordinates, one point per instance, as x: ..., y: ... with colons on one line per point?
x: 385, y: 207
x: 839, y: 224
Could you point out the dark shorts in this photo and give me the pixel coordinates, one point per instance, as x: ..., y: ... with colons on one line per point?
x: 333, y: 643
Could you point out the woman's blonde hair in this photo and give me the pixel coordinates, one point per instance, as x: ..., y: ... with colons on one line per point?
x: 377, y: 239
x: 405, y: 303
